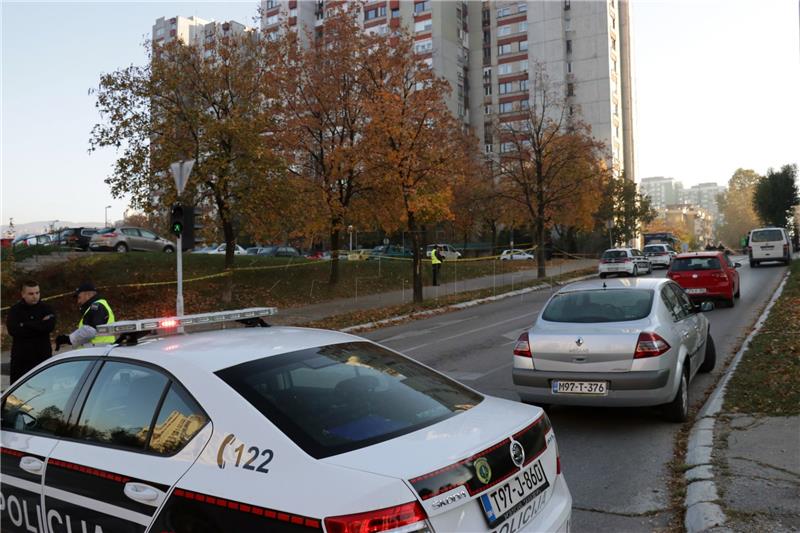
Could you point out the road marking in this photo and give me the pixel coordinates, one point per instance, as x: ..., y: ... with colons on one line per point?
x: 418, y: 332
x: 495, y: 324
x: 474, y: 376
x: 513, y: 334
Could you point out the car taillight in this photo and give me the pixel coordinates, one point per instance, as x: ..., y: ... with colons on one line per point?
x: 785, y: 248
x: 626, y: 260
x: 650, y: 345
x: 720, y: 275
x: 523, y: 346
x: 108, y: 235
x: 558, y: 464
x: 409, y: 515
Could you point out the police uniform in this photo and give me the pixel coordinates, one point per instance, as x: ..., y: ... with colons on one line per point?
x: 436, y: 264
x: 94, y: 312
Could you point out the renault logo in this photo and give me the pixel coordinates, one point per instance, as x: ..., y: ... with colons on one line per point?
x: 517, y: 453
x: 579, y: 341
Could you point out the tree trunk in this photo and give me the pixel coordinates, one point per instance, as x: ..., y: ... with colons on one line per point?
x: 230, y: 248
x: 493, y: 228
x: 333, y: 279
x: 540, y: 232
x: 417, y: 262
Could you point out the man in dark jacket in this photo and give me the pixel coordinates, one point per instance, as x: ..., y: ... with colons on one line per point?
x: 29, y: 322
x: 94, y: 311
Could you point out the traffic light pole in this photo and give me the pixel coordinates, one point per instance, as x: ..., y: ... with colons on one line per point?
x: 179, y: 300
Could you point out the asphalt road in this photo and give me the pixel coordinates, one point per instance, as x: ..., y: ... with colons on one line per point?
x: 615, y: 460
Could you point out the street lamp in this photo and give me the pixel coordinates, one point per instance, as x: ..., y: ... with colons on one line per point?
x: 107, y: 208
x: 350, y: 231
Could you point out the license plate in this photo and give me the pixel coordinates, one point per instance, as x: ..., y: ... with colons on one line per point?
x: 515, y: 493
x: 580, y: 387
x: 695, y: 291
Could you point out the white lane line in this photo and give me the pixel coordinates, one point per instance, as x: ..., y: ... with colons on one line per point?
x: 493, y: 325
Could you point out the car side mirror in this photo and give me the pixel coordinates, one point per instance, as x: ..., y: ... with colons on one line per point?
x: 706, y: 306
x: 737, y: 265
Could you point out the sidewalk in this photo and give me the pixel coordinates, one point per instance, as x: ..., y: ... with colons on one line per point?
x: 302, y: 315
x: 744, y: 471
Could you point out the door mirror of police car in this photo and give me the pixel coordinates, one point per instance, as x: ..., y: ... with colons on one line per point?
x: 707, y: 306
x: 737, y: 265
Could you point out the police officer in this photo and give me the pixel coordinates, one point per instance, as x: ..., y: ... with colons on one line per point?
x: 436, y: 264
x: 95, y: 311
x: 30, y: 322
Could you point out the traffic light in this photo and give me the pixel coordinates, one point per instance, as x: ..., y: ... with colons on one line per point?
x: 189, y: 224
x: 177, y: 221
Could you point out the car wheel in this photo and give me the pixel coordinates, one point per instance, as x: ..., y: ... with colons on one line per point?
x: 738, y: 292
x: 603, y: 275
x: 168, y: 249
x: 731, y: 301
x: 678, y: 409
x: 710, y: 359
x: 121, y: 248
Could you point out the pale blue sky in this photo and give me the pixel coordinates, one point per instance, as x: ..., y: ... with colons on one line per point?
x: 716, y: 85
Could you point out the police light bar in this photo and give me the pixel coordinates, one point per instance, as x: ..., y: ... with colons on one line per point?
x: 174, y: 322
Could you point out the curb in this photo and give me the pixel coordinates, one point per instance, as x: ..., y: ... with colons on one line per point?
x: 459, y: 306
x: 702, y: 510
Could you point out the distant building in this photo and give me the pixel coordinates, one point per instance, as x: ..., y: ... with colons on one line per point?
x: 698, y: 222
x: 704, y: 195
x: 196, y: 31
x: 662, y: 191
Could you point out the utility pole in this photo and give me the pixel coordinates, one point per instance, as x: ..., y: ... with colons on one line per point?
x: 180, y: 171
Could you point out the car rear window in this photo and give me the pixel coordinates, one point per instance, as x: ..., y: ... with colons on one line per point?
x: 682, y: 264
x: 614, y: 254
x: 767, y: 235
x: 106, y: 230
x: 655, y: 248
x: 599, y: 305
x: 338, y: 398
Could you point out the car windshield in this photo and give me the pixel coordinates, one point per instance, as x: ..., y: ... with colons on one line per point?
x: 767, y: 235
x: 614, y: 254
x: 599, y: 305
x: 337, y: 398
x: 682, y: 264
x: 654, y: 248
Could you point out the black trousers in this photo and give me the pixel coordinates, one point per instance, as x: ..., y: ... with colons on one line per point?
x: 436, y: 273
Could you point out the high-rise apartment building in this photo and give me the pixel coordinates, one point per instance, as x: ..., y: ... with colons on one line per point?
x: 195, y: 31
x: 704, y: 195
x: 662, y: 191
x: 486, y: 49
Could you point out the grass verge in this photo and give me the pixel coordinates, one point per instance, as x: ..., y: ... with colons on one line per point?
x: 767, y: 380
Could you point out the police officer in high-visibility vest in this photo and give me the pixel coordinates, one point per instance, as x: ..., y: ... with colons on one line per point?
x: 95, y: 311
x: 436, y: 264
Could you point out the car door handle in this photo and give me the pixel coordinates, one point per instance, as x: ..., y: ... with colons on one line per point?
x: 142, y: 493
x: 32, y: 465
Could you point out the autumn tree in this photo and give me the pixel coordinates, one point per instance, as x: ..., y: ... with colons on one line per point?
x: 324, y: 85
x: 214, y: 106
x: 736, y: 206
x: 418, y: 149
x: 548, y: 158
x: 626, y: 207
x: 776, y: 196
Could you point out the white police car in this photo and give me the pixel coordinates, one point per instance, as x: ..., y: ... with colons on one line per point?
x: 267, y: 429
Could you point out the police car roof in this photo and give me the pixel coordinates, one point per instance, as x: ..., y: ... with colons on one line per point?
x: 215, y: 350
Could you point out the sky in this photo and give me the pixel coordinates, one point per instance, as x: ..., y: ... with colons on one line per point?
x: 716, y: 85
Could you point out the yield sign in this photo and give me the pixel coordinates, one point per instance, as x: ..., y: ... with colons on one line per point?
x: 180, y: 171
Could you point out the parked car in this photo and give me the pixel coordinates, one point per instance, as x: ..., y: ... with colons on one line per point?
x: 238, y: 250
x: 319, y: 255
x: 280, y: 251
x: 390, y: 250
x: 129, y: 239
x: 446, y: 250
x: 659, y: 254
x: 768, y: 244
x: 628, y: 261
x: 620, y: 343
x: 358, y: 255
x: 76, y: 237
x: 270, y: 429
x: 516, y: 255
x: 20, y: 240
x: 707, y: 276
x: 204, y: 249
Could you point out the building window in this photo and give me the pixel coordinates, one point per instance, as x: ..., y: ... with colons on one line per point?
x: 613, y: 23
x: 504, y: 69
x: 523, y: 26
x: 523, y: 66
x: 614, y: 65
x: 506, y: 107
x: 488, y: 148
x: 506, y: 87
x: 504, y: 49
x: 569, y: 67
x: 487, y: 37
x: 523, y: 85
x: 506, y: 147
x: 502, y: 31
x: 523, y: 46
x: 293, y: 12
x: 524, y: 104
x: 487, y: 110
x: 569, y: 46
x: 425, y: 25
x: 568, y: 24
x: 566, y: 5
x: 272, y: 20
x: 422, y: 47
x: 371, y: 14
x: 613, y: 44
x: 396, y: 13
x: 522, y: 7
x: 503, y: 12
x: 570, y: 89
x: 487, y: 90
x: 422, y: 7
x: 270, y: 4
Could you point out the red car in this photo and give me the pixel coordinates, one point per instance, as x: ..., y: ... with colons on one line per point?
x: 706, y: 276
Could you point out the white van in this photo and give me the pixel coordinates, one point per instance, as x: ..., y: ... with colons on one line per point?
x: 769, y: 244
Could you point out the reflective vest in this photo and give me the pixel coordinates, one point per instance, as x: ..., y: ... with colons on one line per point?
x: 106, y: 339
x: 435, y: 258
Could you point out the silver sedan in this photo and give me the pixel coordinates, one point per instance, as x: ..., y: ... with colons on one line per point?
x: 621, y: 342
